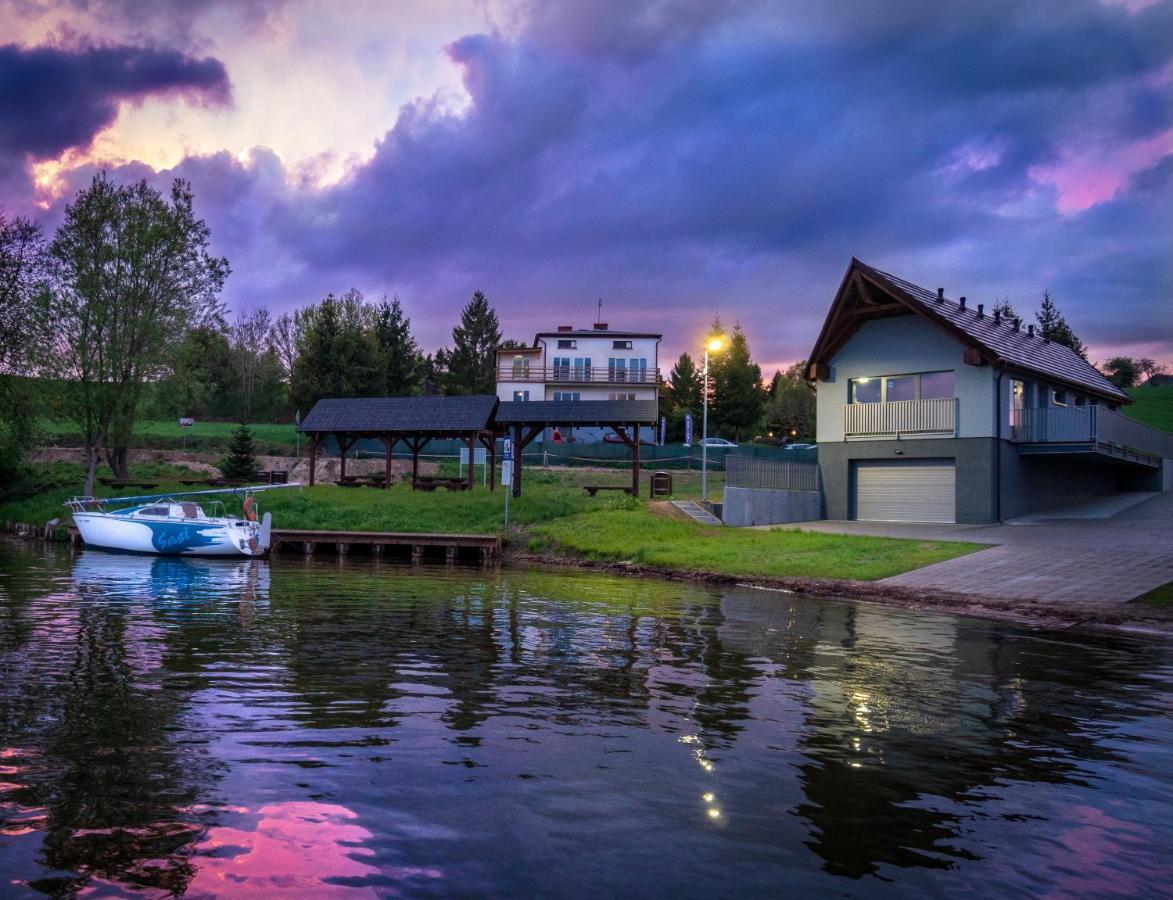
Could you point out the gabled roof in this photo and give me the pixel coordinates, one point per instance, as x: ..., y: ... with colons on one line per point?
x: 596, y: 332
x: 408, y: 415
x: 576, y: 412
x: 868, y: 293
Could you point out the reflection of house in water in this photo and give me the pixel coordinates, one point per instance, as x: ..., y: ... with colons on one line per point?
x: 909, y: 717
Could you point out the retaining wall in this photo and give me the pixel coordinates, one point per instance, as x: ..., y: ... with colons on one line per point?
x: 755, y: 506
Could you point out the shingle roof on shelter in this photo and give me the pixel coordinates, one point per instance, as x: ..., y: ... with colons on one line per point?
x: 576, y: 412
x: 409, y: 415
x: 1000, y: 341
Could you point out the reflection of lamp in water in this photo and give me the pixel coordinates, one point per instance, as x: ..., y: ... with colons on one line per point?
x: 714, y: 345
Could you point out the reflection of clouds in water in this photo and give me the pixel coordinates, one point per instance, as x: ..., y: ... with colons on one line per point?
x: 170, y: 580
x: 298, y: 848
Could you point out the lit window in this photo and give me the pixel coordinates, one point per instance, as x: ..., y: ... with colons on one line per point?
x: 567, y: 345
x: 865, y: 390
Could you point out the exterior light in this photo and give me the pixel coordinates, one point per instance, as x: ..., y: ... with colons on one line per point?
x: 715, y: 345
x: 862, y: 380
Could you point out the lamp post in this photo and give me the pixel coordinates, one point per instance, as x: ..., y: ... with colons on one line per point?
x: 713, y: 345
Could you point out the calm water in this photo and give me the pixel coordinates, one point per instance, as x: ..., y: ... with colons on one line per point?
x: 229, y: 728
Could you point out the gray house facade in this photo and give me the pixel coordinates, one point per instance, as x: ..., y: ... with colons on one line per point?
x: 932, y: 409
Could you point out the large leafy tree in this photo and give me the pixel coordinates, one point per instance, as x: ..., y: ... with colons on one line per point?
x: 790, y: 411
x: 283, y: 338
x: 337, y: 354
x: 403, y: 363
x: 738, y: 396
x: 250, y: 335
x: 471, y: 364
x: 1123, y: 371
x: 1054, y: 327
x: 132, y: 273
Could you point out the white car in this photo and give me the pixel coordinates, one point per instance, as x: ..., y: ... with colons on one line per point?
x: 719, y: 442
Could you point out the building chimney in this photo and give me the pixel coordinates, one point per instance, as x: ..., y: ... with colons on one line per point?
x: 940, y: 295
x: 1017, y: 322
x: 962, y: 301
x: 981, y: 310
x: 1030, y: 330
x: 562, y: 328
x: 600, y: 326
x: 997, y: 316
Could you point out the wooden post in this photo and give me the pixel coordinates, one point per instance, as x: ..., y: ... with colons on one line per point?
x: 635, y: 463
x: 308, y: 547
x: 313, y: 456
x: 415, y: 461
x: 388, y: 446
x: 417, y: 553
x: 472, y: 469
x: 342, y: 448
x: 490, y: 443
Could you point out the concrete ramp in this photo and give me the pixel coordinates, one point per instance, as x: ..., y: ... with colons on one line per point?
x: 696, y: 512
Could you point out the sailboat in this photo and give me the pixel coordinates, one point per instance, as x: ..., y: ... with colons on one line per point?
x: 175, y: 524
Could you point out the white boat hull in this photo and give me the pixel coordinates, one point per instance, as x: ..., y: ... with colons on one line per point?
x: 177, y: 537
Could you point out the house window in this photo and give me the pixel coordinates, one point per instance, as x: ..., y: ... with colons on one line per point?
x: 616, y: 369
x: 582, y: 368
x: 520, y: 367
x: 1081, y: 401
x: 521, y: 395
x: 629, y: 395
x: 637, y: 370
x: 564, y: 344
x: 866, y: 390
x: 936, y: 385
x: 1058, y: 397
x: 561, y: 368
x: 900, y: 387
x: 621, y: 345
x: 567, y: 395
x: 893, y: 388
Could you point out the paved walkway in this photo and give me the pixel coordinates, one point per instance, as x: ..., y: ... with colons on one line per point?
x: 1070, y: 561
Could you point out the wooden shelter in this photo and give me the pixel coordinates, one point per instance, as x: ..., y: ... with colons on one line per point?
x: 413, y: 420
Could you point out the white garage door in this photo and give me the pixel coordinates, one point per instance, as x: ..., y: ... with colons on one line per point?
x: 906, y: 490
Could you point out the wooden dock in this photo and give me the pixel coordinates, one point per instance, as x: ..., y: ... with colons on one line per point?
x: 418, y: 544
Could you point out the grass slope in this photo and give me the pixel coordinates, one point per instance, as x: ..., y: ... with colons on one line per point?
x: 166, y: 434
x: 666, y: 540
x: 1153, y: 406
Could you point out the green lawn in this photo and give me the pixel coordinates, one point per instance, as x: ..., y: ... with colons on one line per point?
x: 166, y: 434
x: 1162, y: 596
x: 1153, y: 406
x: 643, y: 537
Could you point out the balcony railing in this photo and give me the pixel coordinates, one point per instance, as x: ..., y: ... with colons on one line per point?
x: 1088, y: 425
x: 901, y: 418
x: 578, y: 375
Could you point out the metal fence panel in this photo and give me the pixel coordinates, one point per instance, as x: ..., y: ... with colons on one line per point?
x: 770, y: 474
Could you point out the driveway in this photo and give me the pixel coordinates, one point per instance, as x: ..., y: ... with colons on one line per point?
x: 1126, y: 552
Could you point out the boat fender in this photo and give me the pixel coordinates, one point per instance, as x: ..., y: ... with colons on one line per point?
x: 250, y: 508
x: 266, y: 530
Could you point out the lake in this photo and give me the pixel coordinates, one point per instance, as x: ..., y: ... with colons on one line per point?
x: 373, y: 729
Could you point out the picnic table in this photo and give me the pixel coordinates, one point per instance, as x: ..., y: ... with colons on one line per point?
x: 128, y: 482
x: 361, y: 481
x: 451, y: 484
x: 594, y: 489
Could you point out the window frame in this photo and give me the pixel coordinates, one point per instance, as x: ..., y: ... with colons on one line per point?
x: 882, y: 381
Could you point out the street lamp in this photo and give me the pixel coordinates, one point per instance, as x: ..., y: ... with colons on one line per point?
x: 713, y: 345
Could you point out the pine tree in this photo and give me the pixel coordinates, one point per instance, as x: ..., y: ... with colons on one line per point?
x: 472, y: 362
x: 684, y: 385
x: 1054, y: 327
x: 738, y: 395
x: 241, y: 461
x: 403, y: 362
x: 1005, y: 310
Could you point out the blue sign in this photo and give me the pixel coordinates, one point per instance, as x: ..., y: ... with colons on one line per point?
x: 688, y: 428
x: 507, y: 452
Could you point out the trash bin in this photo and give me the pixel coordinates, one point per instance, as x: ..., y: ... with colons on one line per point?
x: 661, y: 485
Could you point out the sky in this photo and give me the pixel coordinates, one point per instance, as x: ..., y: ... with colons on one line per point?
x: 678, y: 159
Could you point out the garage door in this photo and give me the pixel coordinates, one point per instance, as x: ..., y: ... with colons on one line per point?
x: 906, y: 490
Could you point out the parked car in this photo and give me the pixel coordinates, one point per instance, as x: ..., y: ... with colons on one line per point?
x: 612, y: 438
x: 719, y: 443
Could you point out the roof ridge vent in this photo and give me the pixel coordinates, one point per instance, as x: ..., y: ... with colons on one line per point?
x: 565, y: 328
x: 997, y: 316
x: 981, y: 310
x: 1017, y: 323
x: 1030, y: 330
x: 940, y: 295
x: 962, y: 302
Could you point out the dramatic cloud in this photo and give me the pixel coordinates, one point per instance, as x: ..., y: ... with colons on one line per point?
x: 686, y: 157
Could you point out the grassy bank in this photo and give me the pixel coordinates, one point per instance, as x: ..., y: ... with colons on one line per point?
x: 165, y: 434
x: 1152, y: 405
x: 644, y: 537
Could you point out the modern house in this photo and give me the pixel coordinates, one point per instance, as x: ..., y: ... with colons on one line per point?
x: 571, y: 364
x: 932, y: 409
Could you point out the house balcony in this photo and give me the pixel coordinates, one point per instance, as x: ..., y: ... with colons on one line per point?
x: 1088, y: 430
x: 900, y: 419
x: 603, y: 375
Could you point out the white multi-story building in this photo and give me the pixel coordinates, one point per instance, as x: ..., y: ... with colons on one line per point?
x: 582, y: 364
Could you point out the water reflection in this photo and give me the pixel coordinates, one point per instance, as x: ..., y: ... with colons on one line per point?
x: 217, y: 726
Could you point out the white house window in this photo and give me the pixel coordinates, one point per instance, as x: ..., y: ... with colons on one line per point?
x: 567, y: 395
x: 1058, y: 397
x: 582, y: 368
x: 561, y: 368
x: 892, y: 388
x: 564, y: 344
x: 616, y: 369
x: 521, y: 395
x: 629, y: 395
x: 520, y: 367
x: 621, y: 345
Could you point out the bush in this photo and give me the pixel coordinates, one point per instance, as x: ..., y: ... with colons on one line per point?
x: 241, y: 461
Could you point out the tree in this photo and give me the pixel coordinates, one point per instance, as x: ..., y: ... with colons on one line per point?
x: 1004, y: 310
x: 132, y: 273
x: 738, y: 395
x: 1150, y: 367
x: 283, y: 339
x: 790, y: 411
x: 1054, y: 327
x: 241, y: 461
x: 472, y: 362
x: 685, y: 390
x: 249, y: 337
x: 337, y: 354
x: 201, y: 378
x: 402, y: 359
x: 1122, y: 371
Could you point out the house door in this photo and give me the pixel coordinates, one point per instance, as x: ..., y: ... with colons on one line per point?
x: 905, y: 490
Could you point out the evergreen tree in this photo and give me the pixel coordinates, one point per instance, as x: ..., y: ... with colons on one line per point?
x: 402, y: 360
x: 338, y: 355
x: 241, y: 461
x: 1005, y: 310
x: 738, y: 395
x: 684, y: 385
x: 1054, y: 327
x: 472, y: 363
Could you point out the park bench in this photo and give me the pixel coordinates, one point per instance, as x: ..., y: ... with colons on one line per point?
x: 594, y: 489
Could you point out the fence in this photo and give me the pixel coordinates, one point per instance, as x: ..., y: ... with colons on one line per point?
x: 770, y: 474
